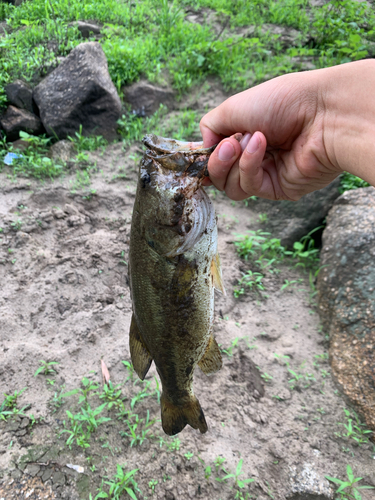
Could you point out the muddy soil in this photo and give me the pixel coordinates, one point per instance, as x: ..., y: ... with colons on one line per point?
x: 65, y: 298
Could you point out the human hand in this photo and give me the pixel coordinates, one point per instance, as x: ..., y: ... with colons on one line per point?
x: 294, y: 134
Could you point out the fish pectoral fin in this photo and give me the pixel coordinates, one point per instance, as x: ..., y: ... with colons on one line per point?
x: 217, y: 277
x: 140, y: 356
x: 174, y: 418
x: 211, y: 361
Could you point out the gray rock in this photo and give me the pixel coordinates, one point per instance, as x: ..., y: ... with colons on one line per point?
x: 15, y: 120
x: 79, y: 92
x: 20, y: 145
x: 346, y: 287
x: 47, y: 474
x: 290, y: 220
x: 16, y: 474
x: 19, y: 94
x: 87, y: 29
x: 13, y: 426
x: 32, y: 469
x: 58, y: 479
x: 308, y: 483
x: 25, y: 421
x: 145, y: 98
x: 20, y: 433
x: 62, y: 150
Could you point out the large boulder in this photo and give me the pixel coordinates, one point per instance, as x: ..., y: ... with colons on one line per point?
x: 346, y: 285
x: 15, y: 120
x: 79, y: 92
x: 290, y: 220
x: 145, y: 98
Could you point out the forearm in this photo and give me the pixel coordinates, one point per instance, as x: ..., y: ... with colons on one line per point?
x: 349, y: 118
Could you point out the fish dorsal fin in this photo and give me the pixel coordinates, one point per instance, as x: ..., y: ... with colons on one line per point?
x: 217, y: 277
x: 140, y: 356
x: 211, y: 361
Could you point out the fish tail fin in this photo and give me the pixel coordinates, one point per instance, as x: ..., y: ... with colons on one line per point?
x: 174, y: 418
x: 139, y: 354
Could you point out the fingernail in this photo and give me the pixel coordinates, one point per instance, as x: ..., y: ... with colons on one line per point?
x: 226, y: 151
x: 253, y: 145
x: 245, y: 140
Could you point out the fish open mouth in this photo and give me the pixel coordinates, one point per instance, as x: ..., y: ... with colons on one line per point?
x: 190, y: 158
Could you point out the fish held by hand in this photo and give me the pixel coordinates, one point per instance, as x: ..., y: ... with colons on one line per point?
x: 173, y: 268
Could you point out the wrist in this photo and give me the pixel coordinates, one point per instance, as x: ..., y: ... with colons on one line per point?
x: 349, y: 118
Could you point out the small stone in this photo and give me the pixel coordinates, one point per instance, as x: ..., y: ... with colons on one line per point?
x: 58, y: 213
x: 16, y: 474
x: 20, y: 145
x: 16, y: 119
x: 19, y: 94
x: 283, y: 393
x: 306, y: 482
x: 75, y: 220
x: 47, y: 474
x: 87, y: 29
x: 272, y: 335
x: 20, y: 239
x: 62, y: 151
x: 145, y: 98
x: 13, y: 426
x: 58, y: 479
x: 276, y: 449
x: 32, y: 469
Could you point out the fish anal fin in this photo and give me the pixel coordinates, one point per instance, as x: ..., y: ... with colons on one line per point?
x: 140, y: 356
x: 174, y: 418
x: 211, y: 361
x: 217, y: 277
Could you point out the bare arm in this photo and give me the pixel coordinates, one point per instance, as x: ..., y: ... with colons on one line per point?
x: 297, y: 133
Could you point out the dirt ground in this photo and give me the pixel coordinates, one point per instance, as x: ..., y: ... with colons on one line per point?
x: 65, y: 298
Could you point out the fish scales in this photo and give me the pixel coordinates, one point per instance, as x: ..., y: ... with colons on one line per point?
x: 173, y: 269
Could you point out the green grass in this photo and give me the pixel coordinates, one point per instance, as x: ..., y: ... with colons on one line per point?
x: 153, y: 38
x: 264, y: 253
x: 350, y: 181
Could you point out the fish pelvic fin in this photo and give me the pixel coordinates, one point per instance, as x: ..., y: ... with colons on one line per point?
x: 140, y: 356
x: 211, y: 361
x: 217, y: 276
x: 174, y: 418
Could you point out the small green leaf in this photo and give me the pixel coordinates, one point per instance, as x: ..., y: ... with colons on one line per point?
x: 349, y: 470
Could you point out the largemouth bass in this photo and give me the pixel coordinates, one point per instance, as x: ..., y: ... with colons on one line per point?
x: 173, y: 268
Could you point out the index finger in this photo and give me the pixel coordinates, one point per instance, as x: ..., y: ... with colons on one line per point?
x: 214, y: 126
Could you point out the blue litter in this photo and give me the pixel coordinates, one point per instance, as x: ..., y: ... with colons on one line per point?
x: 9, y: 157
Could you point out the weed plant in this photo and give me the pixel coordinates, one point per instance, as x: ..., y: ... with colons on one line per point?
x: 8, y: 407
x: 46, y: 368
x: 348, y: 489
x: 354, y: 429
x: 123, y: 483
x: 265, y: 252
